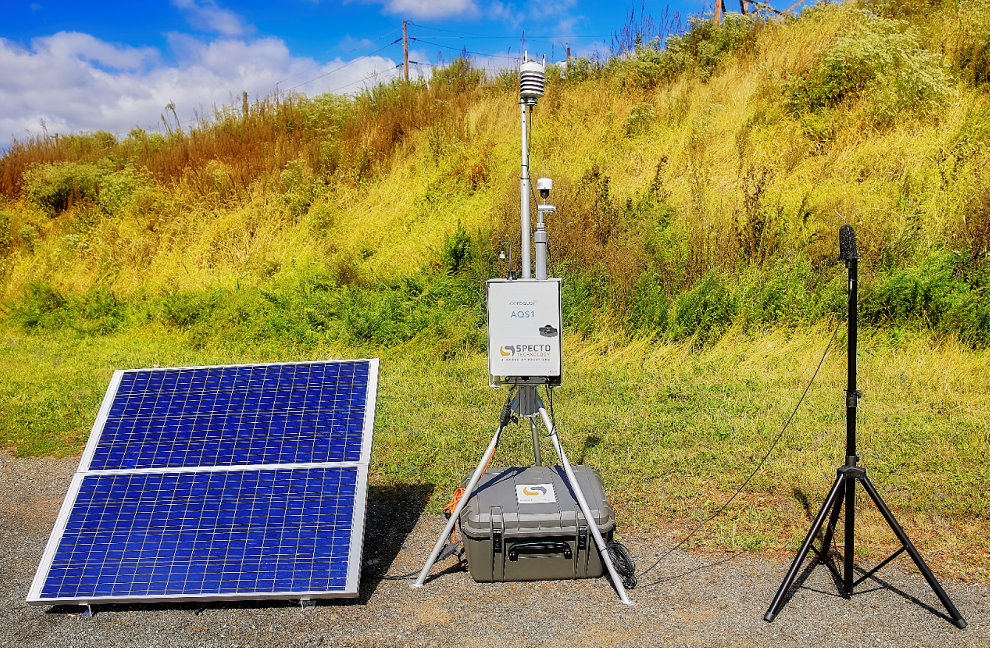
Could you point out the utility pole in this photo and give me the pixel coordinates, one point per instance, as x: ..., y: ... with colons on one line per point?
x: 405, y: 49
x: 718, y: 12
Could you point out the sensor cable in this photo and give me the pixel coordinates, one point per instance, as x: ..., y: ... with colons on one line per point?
x: 758, y: 466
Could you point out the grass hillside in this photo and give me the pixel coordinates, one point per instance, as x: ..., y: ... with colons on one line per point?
x: 700, y: 186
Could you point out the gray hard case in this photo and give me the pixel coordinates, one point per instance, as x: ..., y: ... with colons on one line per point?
x: 506, y: 539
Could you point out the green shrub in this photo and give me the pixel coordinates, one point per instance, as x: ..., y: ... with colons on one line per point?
x: 458, y: 251
x: 879, y: 59
x: 970, y: 49
x: 704, y: 47
x: 56, y: 187
x: 706, y: 311
x: 40, y: 302
x: 641, y: 118
x: 6, y: 238
x: 650, y: 305
x: 118, y: 189
x: 186, y: 308
x: 300, y: 187
x: 459, y: 75
x: 96, y: 312
x: 583, y: 68
x: 947, y: 292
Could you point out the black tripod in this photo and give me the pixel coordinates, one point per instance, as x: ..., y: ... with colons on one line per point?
x: 845, y: 483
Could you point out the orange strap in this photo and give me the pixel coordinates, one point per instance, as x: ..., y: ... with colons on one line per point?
x: 458, y: 494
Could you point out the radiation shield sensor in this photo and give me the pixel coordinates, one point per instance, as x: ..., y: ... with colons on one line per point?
x: 524, y: 337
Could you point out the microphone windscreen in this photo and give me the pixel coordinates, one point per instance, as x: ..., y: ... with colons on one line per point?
x: 847, y: 243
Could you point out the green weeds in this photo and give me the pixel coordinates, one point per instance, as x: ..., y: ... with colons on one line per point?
x: 700, y: 51
x: 880, y: 60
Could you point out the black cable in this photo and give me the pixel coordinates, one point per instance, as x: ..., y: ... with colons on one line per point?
x: 506, y: 415
x: 352, y: 62
x: 365, y: 79
x: 361, y: 46
x: 553, y: 417
x: 758, y: 466
x: 388, y: 577
x: 624, y: 565
x: 465, y: 51
x: 452, y: 31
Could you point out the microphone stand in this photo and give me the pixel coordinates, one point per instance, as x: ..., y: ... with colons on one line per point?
x: 845, y: 483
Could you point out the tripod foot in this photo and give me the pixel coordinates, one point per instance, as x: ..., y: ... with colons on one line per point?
x: 769, y: 617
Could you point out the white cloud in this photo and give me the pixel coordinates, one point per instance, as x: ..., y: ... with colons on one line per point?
x: 349, y: 43
x: 431, y: 9
x: 545, y: 12
x: 205, y: 15
x: 75, y: 82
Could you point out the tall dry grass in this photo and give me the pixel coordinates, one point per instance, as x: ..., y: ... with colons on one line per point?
x: 335, y: 136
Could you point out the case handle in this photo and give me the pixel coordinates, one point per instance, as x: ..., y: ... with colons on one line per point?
x: 546, y: 546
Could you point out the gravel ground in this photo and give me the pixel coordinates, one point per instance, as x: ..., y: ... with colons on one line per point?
x: 702, y: 600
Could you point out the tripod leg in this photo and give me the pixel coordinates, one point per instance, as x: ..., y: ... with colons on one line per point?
x: 455, y: 514
x: 585, y: 509
x: 832, y: 520
x: 849, y: 553
x: 778, y: 600
x: 913, y: 552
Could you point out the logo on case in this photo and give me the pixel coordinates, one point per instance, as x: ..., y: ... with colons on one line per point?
x: 535, y: 494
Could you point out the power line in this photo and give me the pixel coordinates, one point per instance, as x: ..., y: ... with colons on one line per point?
x: 547, y: 38
x: 361, y: 46
x: 366, y: 78
x: 511, y: 58
x: 353, y: 61
x: 514, y: 38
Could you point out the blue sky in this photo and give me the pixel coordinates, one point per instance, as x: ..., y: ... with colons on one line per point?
x: 72, y: 66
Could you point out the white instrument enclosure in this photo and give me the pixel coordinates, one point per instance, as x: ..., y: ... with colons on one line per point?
x: 524, y: 331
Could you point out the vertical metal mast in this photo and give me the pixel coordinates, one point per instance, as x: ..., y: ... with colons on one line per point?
x: 531, y: 83
x: 524, y: 195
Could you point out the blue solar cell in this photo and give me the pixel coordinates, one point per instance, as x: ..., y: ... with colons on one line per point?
x: 228, y: 416
x: 179, y: 493
x: 206, y: 533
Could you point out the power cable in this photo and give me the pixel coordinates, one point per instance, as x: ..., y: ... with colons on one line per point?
x: 364, y: 79
x: 346, y: 65
x: 547, y: 38
x: 465, y: 51
x: 758, y: 466
x: 361, y: 46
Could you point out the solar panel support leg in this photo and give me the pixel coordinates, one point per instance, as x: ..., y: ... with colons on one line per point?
x: 307, y: 603
x: 455, y: 514
x: 88, y: 612
x: 585, y: 509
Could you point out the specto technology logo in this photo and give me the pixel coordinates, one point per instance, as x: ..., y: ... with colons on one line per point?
x: 535, y: 494
x: 526, y: 351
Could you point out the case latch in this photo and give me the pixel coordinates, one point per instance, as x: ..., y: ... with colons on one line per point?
x: 498, y: 541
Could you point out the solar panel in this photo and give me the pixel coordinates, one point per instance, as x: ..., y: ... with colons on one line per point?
x: 218, y: 483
